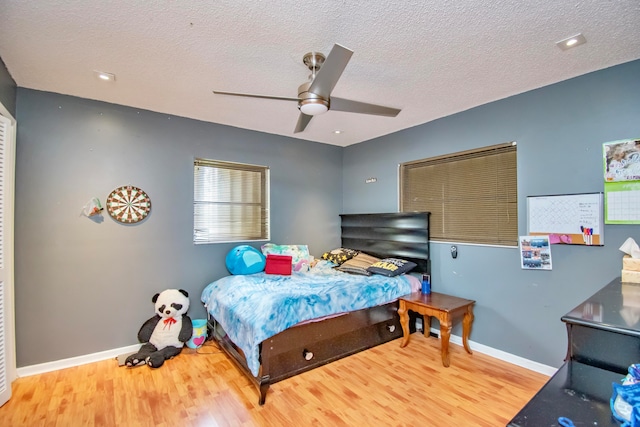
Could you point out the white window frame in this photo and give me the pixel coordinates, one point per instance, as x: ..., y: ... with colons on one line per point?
x: 230, y: 202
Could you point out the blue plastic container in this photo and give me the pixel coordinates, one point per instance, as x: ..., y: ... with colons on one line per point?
x: 199, y: 333
x: 426, y: 284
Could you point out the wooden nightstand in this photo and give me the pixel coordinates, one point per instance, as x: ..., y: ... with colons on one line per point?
x: 445, y: 308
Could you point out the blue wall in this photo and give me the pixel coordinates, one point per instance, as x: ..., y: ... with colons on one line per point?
x: 559, y: 130
x: 83, y: 286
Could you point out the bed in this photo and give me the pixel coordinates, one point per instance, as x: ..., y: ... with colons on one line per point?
x: 267, y: 354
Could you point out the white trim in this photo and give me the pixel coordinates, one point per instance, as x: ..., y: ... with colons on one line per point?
x: 398, y: 187
x: 108, y: 354
x: 7, y: 114
x: 7, y: 305
x: 503, y: 355
x: 75, y: 361
x: 486, y: 245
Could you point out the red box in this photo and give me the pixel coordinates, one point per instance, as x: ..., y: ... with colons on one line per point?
x: 278, y: 264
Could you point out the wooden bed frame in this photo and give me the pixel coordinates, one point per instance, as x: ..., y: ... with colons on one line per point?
x: 307, y: 346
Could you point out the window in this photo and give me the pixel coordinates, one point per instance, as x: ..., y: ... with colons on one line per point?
x: 472, y: 195
x: 230, y: 202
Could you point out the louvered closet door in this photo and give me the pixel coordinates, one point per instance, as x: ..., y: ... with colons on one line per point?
x: 7, y: 362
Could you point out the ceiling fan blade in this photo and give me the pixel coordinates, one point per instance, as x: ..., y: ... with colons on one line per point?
x: 331, y: 70
x: 340, y: 104
x: 283, y: 98
x: 303, y: 121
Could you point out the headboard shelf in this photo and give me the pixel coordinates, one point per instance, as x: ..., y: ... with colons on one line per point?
x: 396, y: 234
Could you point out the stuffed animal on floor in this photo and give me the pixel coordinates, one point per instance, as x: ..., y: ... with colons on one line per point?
x: 165, y: 333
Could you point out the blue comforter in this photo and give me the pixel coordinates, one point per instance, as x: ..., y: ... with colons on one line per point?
x: 252, y: 308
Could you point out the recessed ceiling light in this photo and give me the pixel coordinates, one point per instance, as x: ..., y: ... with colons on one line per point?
x: 337, y: 132
x: 572, y: 41
x: 107, y: 77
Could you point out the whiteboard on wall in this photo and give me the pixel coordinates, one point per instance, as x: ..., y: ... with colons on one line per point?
x: 572, y: 219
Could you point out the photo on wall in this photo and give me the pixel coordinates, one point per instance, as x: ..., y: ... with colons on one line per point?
x: 535, y: 253
x: 621, y: 160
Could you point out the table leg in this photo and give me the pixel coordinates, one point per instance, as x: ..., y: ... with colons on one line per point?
x: 426, y: 327
x: 404, y: 322
x: 445, y: 334
x: 466, y: 328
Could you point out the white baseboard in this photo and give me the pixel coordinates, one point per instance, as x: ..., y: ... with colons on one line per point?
x: 109, y: 354
x: 502, y: 355
x: 75, y: 361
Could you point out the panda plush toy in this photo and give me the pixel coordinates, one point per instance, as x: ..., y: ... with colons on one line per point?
x: 164, y: 335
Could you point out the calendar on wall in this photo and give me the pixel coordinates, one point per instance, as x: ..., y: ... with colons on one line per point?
x: 621, y: 165
x: 623, y: 203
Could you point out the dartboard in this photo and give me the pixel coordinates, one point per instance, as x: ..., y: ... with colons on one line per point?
x: 128, y: 204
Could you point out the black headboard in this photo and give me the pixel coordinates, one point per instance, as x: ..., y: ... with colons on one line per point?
x: 399, y: 234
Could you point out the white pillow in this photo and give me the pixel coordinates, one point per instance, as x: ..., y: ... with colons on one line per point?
x: 300, y: 257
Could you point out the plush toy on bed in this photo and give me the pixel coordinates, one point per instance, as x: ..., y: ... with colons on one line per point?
x: 165, y: 333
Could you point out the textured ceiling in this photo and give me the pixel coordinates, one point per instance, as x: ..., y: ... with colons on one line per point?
x: 429, y: 58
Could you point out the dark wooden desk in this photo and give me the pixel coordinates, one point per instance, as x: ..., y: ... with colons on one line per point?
x: 445, y: 308
x: 603, y: 341
x: 576, y: 391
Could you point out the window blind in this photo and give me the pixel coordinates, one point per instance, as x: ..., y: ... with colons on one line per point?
x: 472, y: 195
x: 230, y: 202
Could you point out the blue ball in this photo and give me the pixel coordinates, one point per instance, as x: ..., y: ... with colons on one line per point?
x: 245, y: 259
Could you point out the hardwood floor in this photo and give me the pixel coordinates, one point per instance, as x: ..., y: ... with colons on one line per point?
x: 383, y: 386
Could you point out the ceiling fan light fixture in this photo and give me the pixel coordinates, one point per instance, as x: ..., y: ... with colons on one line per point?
x: 314, y: 95
x: 314, y: 106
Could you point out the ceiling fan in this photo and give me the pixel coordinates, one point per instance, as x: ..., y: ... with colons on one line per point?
x: 314, y: 96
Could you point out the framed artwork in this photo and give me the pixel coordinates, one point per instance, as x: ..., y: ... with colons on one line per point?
x: 128, y: 204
